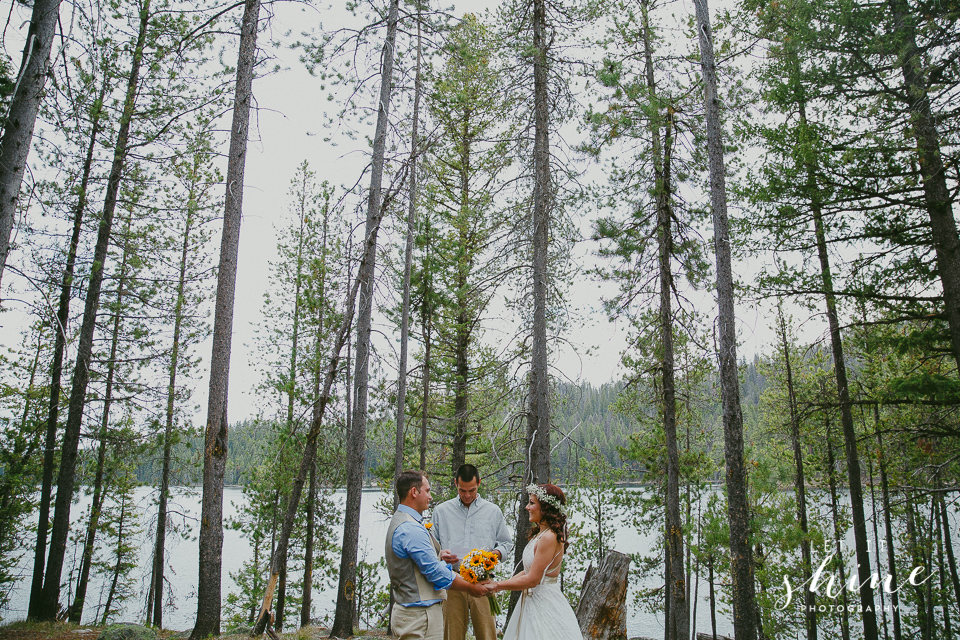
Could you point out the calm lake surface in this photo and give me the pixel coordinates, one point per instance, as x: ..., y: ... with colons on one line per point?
x: 183, y: 555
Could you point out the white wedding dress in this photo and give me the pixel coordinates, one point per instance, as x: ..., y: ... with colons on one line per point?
x: 543, y: 612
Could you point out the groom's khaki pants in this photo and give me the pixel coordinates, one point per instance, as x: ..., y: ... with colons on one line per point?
x: 456, y: 610
x: 414, y: 623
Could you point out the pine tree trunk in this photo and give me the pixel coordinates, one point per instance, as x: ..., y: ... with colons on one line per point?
x: 713, y: 602
x: 914, y: 548
x: 745, y: 614
x: 538, y: 418
x: 75, y: 611
x: 307, y: 600
x: 356, y: 440
x: 679, y: 607
x: 308, y: 460
x: 118, y: 567
x: 408, y: 264
x: 861, y: 543
x: 425, y: 412
x: 928, y: 571
x: 281, y: 598
x: 951, y: 556
x: 215, y: 447
x: 537, y: 443
x: 316, y: 419
x: 458, y: 445
x: 56, y: 369
x: 942, y: 565
x: 882, y: 623
x: 809, y: 597
x: 22, y: 115
x: 837, y: 536
x: 81, y: 373
x: 888, y: 529
x: 159, y: 556
x: 923, y: 126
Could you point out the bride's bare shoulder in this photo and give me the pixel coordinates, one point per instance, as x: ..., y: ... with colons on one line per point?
x: 549, y: 538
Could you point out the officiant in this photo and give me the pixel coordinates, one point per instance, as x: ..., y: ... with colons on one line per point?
x: 461, y: 524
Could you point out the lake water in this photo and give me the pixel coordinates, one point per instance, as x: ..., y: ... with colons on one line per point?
x: 183, y: 555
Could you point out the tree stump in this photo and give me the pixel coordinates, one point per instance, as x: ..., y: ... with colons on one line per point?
x: 602, y: 611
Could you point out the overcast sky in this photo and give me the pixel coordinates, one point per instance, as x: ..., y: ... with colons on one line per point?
x: 288, y: 127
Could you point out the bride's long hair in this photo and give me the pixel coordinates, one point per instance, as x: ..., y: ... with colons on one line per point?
x: 551, y: 516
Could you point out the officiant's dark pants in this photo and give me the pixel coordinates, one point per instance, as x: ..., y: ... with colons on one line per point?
x: 456, y: 610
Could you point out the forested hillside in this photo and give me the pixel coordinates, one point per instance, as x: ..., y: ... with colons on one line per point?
x: 587, y: 418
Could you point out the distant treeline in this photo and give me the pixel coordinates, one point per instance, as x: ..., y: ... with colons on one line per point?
x: 584, y: 416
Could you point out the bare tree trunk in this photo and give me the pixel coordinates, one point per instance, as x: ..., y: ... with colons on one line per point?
x: 281, y: 596
x: 81, y: 372
x: 837, y: 536
x: 307, y: 599
x: 678, y: 621
x: 56, y: 369
x: 313, y: 436
x: 75, y: 611
x: 942, y: 536
x: 876, y: 545
x: 159, y: 556
x: 425, y: 412
x: 948, y: 543
x: 745, y: 615
x: 538, y: 419
x: 316, y: 419
x: 914, y: 547
x: 215, y: 449
x: 923, y: 125
x: 408, y: 263
x: 861, y: 543
x: 356, y: 441
x: 118, y: 567
x: 809, y: 598
x: 458, y: 444
x: 888, y: 528
x: 713, y: 602
x: 20, y: 120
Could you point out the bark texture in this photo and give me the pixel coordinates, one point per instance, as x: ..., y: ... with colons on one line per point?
x: 19, y: 123
x: 943, y: 227
x: 408, y: 266
x: 743, y: 590
x: 809, y: 598
x: 215, y: 441
x: 356, y: 438
x: 56, y: 369
x: 602, y: 611
x: 49, y: 604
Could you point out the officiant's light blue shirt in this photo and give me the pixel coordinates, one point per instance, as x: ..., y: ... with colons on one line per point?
x: 479, y: 526
x: 412, y: 540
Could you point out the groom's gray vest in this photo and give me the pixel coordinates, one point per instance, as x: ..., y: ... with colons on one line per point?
x: 406, y: 581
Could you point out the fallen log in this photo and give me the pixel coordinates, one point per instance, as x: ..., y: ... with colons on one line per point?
x: 602, y: 611
x: 710, y: 636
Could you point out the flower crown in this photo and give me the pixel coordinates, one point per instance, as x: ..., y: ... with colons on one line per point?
x: 543, y: 496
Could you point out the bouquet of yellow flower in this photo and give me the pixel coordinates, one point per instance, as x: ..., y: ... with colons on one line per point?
x: 478, y: 566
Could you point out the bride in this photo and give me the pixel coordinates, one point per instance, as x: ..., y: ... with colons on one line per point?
x: 543, y: 612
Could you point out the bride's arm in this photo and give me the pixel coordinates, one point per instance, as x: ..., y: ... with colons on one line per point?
x: 546, y: 551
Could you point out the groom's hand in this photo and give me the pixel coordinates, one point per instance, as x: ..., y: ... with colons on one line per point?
x: 449, y: 557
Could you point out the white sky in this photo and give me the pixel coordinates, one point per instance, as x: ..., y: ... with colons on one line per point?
x: 288, y: 129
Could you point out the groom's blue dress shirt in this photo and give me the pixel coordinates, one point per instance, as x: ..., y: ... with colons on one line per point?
x: 412, y: 540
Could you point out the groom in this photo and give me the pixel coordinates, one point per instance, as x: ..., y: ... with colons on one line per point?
x: 418, y: 578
